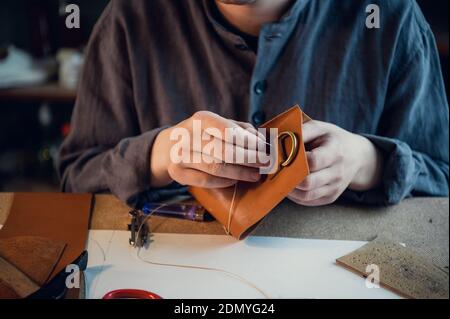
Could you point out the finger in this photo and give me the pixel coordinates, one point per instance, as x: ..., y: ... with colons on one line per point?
x: 317, y: 142
x: 320, y: 202
x: 193, y: 177
x: 234, y: 154
x: 228, y: 153
x: 313, y: 195
x: 319, y: 179
x: 322, y: 157
x: 312, y: 130
x: 244, y: 138
x: 229, y: 131
x: 252, y: 129
x: 212, y: 167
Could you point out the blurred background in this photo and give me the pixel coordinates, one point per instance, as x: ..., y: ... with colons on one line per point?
x: 40, y: 61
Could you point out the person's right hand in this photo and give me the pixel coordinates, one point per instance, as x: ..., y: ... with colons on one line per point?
x: 215, y: 172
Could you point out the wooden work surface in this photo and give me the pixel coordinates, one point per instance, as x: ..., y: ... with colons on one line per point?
x: 421, y: 223
x: 51, y: 92
x: 111, y: 214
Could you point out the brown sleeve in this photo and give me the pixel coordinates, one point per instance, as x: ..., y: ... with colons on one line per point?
x: 106, y: 151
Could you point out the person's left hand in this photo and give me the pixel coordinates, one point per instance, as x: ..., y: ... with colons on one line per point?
x: 337, y: 160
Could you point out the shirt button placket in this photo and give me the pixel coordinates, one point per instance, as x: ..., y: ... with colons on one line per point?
x: 258, y: 118
x: 260, y: 87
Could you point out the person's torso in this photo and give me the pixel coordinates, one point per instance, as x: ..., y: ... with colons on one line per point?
x: 321, y: 56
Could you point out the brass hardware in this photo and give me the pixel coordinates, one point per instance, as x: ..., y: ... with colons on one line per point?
x: 294, y: 147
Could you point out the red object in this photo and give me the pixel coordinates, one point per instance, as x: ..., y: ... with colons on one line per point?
x: 131, y: 294
x: 65, y: 129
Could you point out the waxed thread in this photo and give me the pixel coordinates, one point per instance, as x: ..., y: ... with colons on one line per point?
x: 231, y: 210
x: 286, y: 163
x: 145, y: 221
x: 218, y: 270
x: 104, y: 253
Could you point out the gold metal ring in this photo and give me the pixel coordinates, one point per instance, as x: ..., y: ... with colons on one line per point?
x: 294, y: 147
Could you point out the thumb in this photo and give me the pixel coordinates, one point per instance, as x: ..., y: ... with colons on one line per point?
x: 312, y: 130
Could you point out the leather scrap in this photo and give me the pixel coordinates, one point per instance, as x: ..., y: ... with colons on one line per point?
x: 34, y: 256
x: 6, y: 292
x: 15, y: 281
x: 401, y: 270
x: 58, y: 217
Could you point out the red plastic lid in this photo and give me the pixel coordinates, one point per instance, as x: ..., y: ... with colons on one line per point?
x: 131, y: 294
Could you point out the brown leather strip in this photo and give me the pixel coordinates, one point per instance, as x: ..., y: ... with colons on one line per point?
x: 7, y: 292
x: 58, y: 217
x: 35, y: 256
x: 13, y: 278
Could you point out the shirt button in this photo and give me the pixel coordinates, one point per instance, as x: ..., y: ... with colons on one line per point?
x: 258, y: 118
x: 274, y: 36
x: 260, y: 87
x: 241, y: 47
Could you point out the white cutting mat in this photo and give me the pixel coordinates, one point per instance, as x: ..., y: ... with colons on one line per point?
x: 281, y: 267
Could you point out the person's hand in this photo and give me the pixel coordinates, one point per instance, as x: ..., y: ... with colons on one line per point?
x: 337, y: 160
x: 213, y: 170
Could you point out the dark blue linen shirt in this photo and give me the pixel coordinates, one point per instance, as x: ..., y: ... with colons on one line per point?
x: 154, y: 63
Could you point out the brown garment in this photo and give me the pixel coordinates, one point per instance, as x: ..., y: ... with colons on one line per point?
x: 131, y: 88
x: 154, y: 63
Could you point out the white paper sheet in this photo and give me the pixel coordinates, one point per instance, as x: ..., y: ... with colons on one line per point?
x: 281, y: 267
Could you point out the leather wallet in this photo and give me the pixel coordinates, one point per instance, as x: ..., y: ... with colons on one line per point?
x: 253, y: 201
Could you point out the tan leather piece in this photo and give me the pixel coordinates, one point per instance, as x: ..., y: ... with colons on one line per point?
x: 34, y: 256
x: 6, y: 292
x: 401, y: 269
x: 110, y: 213
x: 255, y: 200
x: 16, y: 280
x: 6, y: 200
x: 59, y: 217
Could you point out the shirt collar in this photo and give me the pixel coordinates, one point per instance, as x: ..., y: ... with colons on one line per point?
x: 293, y: 12
x: 290, y: 17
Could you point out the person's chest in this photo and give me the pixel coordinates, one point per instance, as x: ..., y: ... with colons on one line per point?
x: 328, y: 72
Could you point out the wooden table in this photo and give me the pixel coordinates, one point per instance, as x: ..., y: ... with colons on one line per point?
x: 421, y: 223
x: 51, y: 93
x: 111, y: 214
